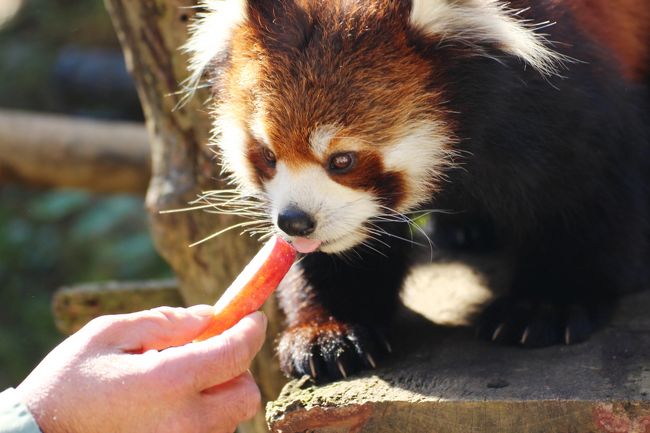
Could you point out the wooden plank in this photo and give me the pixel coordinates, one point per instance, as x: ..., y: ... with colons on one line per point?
x: 443, y: 380
x: 64, y: 152
x: 76, y: 305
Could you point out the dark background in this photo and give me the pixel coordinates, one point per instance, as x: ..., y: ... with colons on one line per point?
x: 62, y: 56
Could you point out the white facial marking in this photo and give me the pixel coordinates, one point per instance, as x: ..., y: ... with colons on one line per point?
x: 320, y: 138
x: 487, y: 21
x: 258, y: 128
x: 209, y: 34
x: 421, y: 153
x: 230, y: 136
x: 339, y: 211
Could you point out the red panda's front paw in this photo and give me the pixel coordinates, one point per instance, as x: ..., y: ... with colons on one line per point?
x: 330, y: 351
x: 527, y: 323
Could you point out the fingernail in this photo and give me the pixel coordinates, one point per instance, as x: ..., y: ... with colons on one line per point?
x: 202, y: 310
x: 258, y: 315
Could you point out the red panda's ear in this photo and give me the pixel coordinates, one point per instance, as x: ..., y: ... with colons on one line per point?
x: 280, y: 24
x: 210, y: 33
x: 478, y: 23
x: 284, y: 23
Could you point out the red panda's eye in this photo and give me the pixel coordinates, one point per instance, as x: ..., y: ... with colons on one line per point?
x: 342, y: 162
x: 269, y: 156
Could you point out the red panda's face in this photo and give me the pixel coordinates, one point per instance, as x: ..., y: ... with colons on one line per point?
x: 333, y: 122
x: 328, y: 111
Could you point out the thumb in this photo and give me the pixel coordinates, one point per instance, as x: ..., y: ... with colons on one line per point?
x: 158, y: 328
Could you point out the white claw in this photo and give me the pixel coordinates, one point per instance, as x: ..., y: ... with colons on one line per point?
x: 312, y: 367
x: 371, y: 361
x: 341, y: 369
x: 524, y: 336
x: 497, y: 331
x: 389, y: 348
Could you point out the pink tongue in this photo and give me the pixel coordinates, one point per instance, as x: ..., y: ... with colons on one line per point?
x: 304, y: 245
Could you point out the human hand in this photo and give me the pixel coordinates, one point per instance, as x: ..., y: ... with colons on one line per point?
x: 114, y: 376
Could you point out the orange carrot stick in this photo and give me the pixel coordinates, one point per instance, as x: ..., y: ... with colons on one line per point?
x: 252, y: 286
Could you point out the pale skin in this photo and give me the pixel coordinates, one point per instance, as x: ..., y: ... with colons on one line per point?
x: 141, y: 373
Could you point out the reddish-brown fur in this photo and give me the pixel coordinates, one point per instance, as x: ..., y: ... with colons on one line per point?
x: 621, y: 27
x: 255, y: 156
x: 543, y: 163
x: 336, y: 71
x: 357, y: 70
x: 370, y: 175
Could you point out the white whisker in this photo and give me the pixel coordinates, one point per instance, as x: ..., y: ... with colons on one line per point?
x: 411, y: 224
x: 381, y: 231
x: 374, y: 237
x: 220, y: 232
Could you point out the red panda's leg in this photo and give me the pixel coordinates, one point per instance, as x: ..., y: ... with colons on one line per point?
x: 566, y: 283
x: 337, y: 309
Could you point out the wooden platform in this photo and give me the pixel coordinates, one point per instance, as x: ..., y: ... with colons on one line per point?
x: 443, y: 380
x: 74, y: 306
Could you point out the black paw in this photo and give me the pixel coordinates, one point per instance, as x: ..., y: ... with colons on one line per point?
x: 330, y: 351
x: 526, y: 323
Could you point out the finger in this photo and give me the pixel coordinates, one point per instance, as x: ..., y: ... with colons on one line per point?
x: 218, y: 359
x: 155, y: 329
x: 232, y: 402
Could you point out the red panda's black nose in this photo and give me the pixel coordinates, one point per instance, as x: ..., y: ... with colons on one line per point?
x: 296, y: 222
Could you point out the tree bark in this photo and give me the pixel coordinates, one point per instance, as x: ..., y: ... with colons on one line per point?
x: 58, y: 151
x: 151, y: 32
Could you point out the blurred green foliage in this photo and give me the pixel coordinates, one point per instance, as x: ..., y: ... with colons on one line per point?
x: 30, y: 43
x: 54, y: 238
x: 49, y: 239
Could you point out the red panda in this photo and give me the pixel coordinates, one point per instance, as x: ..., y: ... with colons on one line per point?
x: 343, y: 116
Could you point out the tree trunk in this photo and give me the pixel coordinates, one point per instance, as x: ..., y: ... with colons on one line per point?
x: 151, y: 32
